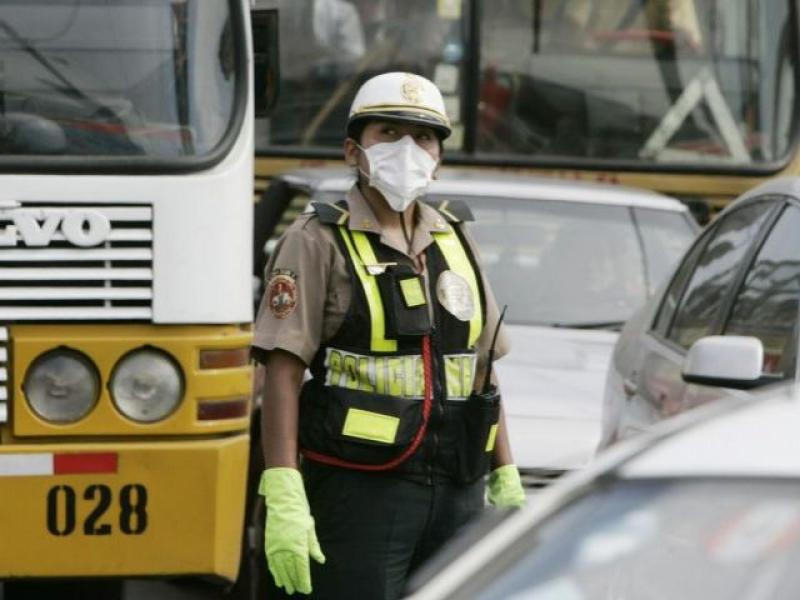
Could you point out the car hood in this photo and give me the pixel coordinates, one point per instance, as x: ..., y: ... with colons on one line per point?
x: 552, y: 384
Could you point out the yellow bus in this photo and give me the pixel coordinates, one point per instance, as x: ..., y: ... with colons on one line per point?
x: 126, y: 166
x: 694, y: 98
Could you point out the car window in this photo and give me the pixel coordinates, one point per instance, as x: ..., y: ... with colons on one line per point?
x: 665, y: 237
x: 657, y: 539
x: 670, y: 301
x: 767, y: 304
x: 715, y: 271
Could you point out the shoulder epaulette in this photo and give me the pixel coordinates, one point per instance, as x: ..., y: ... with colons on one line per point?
x: 330, y: 214
x: 455, y: 211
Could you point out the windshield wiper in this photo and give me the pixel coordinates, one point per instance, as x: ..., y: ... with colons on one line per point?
x: 70, y: 88
x: 612, y: 325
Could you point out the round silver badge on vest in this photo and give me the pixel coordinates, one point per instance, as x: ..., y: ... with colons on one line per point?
x: 455, y: 295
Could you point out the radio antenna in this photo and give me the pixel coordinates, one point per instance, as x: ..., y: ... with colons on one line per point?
x: 488, y: 376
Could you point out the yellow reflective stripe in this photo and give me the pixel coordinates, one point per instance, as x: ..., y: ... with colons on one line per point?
x: 373, y: 426
x: 399, y: 376
x: 453, y: 377
x: 492, y: 438
x: 412, y: 292
x: 378, y: 343
x: 458, y: 261
x: 459, y: 372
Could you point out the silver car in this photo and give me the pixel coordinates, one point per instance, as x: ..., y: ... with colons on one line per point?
x: 735, y: 295
x: 706, y: 506
x: 572, y: 261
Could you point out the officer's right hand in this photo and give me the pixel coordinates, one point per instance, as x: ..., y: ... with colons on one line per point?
x: 289, y: 536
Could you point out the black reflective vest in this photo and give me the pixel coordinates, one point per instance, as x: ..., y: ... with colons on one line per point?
x: 363, y: 407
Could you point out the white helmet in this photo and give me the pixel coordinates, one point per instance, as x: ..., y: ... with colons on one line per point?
x: 400, y: 97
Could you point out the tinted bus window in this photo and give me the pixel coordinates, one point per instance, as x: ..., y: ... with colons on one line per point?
x: 703, y: 82
x: 329, y: 48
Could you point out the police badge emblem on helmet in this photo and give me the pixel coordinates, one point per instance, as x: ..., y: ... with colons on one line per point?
x: 411, y: 89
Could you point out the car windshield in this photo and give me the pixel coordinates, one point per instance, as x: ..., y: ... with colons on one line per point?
x: 659, y: 540
x: 133, y: 78
x: 575, y: 264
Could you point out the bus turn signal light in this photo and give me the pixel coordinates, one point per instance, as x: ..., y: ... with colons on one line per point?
x: 229, y: 358
x: 233, y: 408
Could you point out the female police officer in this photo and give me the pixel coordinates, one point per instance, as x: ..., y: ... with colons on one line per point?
x: 380, y: 296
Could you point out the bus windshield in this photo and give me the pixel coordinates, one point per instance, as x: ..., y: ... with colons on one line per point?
x: 678, y: 81
x: 124, y: 78
x: 690, y: 83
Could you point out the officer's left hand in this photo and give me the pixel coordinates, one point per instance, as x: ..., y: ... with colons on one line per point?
x: 505, y: 488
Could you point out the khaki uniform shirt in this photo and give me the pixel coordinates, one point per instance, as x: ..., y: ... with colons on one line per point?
x: 309, y: 288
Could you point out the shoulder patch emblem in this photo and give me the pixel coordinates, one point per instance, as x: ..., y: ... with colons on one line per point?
x: 282, y: 293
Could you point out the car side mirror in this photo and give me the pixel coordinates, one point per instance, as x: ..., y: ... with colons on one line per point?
x: 732, y: 361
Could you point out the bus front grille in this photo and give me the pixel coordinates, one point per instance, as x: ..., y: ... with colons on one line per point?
x: 76, y: 262
x: 3, y: 374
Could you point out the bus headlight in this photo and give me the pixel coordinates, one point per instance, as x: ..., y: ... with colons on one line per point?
x: 146, y: 385
x: 62, y: 386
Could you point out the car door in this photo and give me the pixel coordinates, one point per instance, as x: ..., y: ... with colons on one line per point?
x: 694, y: 306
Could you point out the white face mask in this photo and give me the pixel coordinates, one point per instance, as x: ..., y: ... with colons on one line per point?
x: 401, y: 171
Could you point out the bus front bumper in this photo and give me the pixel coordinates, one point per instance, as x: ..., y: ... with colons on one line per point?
x: 123, y: 509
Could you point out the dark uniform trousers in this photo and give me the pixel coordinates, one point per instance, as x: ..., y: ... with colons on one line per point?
x: 376, y: 528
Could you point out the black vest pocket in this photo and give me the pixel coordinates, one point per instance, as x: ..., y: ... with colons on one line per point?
x: 357, y: 426
x: 404, y: 302
x: 468, y: 435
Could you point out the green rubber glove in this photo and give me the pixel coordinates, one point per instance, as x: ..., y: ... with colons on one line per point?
x: 505, y: 487
x: 289, y: 536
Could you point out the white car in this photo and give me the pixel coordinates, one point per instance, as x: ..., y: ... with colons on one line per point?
x: 706, y: 506
x: 572, y: 261
x: 740, y: 282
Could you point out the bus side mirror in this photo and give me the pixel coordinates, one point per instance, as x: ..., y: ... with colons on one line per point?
x: 732, y: 361
x: 266, y: 55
